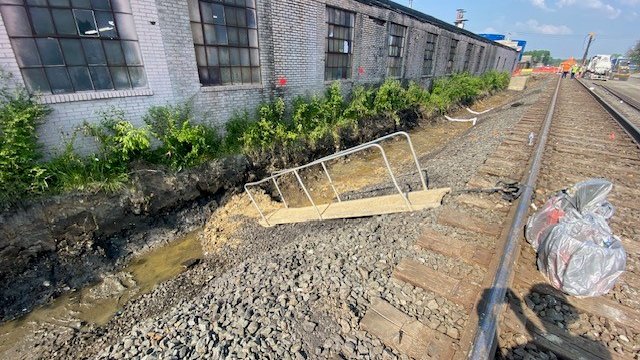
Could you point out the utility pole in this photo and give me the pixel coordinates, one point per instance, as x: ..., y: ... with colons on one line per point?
x: 411, y: 4
x: 586, y: 51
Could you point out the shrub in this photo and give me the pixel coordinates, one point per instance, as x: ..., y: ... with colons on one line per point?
x: 270, y: 129
x: 235, y: 129
x: 494, y: 81
x: 389, y: 99
x: 118, y: 140
x: 359, y: 106
x: 183, y: 144
x: 463, y: 88
x: 416, y: 95
x: 70, y: 171
x: 21, y: 174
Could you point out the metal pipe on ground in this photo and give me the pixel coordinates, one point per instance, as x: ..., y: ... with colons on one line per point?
x: 484, y: 342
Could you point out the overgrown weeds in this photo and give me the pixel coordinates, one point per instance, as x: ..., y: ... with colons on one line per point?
x: 171, y: 136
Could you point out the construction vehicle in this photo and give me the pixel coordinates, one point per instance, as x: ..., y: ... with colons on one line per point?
x: 620, y: 69
x: 599, y: 67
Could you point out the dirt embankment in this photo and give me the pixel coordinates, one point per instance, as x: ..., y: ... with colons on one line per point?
x: 55, y: 244
x: 52, y: 245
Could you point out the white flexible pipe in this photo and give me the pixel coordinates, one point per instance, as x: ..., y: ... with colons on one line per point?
x: 463, y: 120
x: 479, y: 113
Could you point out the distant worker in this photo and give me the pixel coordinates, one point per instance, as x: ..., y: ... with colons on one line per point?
x: 574, y: 69
x: 566, y: 66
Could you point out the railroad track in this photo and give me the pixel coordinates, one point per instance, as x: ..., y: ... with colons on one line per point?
x: 501, y: 300
x: 625, y: 98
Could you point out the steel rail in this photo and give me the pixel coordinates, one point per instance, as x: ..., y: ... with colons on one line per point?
x: 484, y: 343
x: 625, y: 98
x: 632, y: 130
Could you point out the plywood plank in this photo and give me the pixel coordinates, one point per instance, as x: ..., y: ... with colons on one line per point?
x: 415, y: 273
x: 404, y: 333
x: 379, y: 205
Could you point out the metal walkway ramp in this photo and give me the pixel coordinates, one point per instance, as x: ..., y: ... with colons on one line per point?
x: 378, y: 205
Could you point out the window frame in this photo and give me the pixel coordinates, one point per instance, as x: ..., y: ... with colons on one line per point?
x: 429, y: 54
x: 468, y: 51
x: 207, y: 46
x: 392, y: 60
x: 451, y: 57
x: 348, y: 68
x: 478, y: 59
x: 56, y: 35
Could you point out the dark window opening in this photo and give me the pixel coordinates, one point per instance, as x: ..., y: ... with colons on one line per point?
x: 65, y: 47
x: 396, y: 43
x: 479, y: 59
x: 225, y: 36
x: 453, y: 48
x: 429, y: 51
x: 467, y: 57
x: 339, y: 51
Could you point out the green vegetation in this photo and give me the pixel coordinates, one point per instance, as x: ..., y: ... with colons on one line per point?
x: 542, y: 56
x: 20, y: 169
x: 183, y: 144
x: 173, y: 139
x: 314, y: 119
x: 634, y: 53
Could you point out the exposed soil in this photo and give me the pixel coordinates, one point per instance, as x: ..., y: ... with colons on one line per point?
x: 296, y: 289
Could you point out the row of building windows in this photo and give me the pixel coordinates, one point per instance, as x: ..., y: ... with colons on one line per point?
x: 65, y: 46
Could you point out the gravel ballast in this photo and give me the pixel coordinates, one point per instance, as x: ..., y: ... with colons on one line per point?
x: 294, y: 291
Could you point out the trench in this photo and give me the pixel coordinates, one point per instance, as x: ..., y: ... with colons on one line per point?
x: 96, y: 304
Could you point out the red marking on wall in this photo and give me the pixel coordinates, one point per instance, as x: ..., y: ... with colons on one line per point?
x: 282, y: 81
x: 360, y: 70
x: 612, y: 136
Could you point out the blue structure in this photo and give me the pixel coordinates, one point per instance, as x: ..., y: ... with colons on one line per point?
x: 497, y: 37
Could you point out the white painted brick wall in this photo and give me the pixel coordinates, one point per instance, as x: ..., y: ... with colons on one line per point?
x: 292, y: 38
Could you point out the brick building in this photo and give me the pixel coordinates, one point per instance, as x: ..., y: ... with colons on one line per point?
x: 83, y: 56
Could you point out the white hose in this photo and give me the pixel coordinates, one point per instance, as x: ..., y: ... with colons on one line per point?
x: 462, y: 120
x: 479, y: 113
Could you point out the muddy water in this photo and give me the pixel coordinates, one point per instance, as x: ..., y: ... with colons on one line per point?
x: 98, y: 303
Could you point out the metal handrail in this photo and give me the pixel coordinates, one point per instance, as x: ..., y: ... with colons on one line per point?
x: 371, y: 144
x: 397, y: 133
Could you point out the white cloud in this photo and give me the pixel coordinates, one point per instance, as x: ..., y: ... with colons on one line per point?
x: 489, y: 30
x: 610, y: 11
x: 546, y: 29
x: 540, y: 4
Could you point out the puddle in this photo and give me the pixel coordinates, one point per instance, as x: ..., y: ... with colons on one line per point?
x: 98, y: 303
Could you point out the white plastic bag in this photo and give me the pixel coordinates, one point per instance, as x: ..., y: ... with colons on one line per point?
x: 581, y: 257
x: 576, y: 249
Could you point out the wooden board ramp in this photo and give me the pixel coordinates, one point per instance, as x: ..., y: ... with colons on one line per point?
x: 379, y: 205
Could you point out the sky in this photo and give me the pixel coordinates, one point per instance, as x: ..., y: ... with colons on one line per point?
x: 560, y: 26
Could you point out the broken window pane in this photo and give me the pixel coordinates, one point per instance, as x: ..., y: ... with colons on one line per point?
x: 85, y: 22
